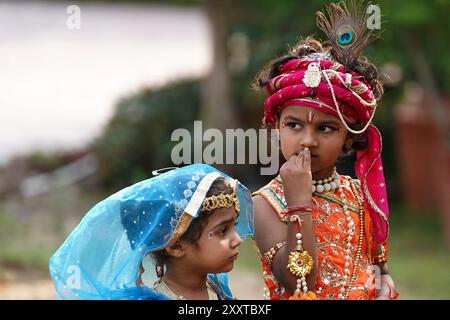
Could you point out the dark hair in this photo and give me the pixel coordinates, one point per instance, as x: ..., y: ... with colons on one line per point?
x: 359, y: 143
x: 363, y: 66
x: 194, y: 232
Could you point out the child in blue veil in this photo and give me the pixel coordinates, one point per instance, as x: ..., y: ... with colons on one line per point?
x: 189, y: 221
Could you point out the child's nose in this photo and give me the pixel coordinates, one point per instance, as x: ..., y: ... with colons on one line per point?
x: 236, y: 241
x: 308, y: 139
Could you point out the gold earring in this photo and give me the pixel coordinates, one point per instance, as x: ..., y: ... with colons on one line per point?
x: 348, y: 144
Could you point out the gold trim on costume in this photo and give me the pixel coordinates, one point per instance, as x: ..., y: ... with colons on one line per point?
x: 367, y: 193
x: 181, y: 228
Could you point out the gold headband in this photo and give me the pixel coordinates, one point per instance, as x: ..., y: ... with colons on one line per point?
x: 222, y: 200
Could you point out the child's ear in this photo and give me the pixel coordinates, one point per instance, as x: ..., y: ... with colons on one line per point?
x: 349, y: 142
x: 177, y: 250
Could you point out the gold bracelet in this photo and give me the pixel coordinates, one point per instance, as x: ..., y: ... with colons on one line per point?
x: 381, y: 258
x: 269, y: 255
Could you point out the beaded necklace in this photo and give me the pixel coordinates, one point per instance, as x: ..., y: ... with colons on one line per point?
x: 347, y: 280
x: 328, y: 184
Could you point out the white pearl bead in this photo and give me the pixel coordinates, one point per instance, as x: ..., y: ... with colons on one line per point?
x: 327, y: 187
x: 333, y: 185
x: 349, y: 238
x: 347, y: 264
x: 299, y: 241
x: 346, y: 270
x: 313, y: 189
x: 299, y: 281
x: 340, y: 296
x: 298, y: 235
x: 297, y: 292
x: 319, y: 182
x: 320, y: 188
x: 342, y: 290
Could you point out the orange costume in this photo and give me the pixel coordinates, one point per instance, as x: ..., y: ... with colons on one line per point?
x: 332, y: 225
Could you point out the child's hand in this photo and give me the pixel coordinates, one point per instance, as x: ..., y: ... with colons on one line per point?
x: 387, y: 290
x: 297, y: 179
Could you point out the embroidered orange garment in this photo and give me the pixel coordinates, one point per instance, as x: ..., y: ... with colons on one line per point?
x: 330, y: 228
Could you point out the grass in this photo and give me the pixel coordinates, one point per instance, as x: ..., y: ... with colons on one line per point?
x: 248, y: 257
x: 32, y: 229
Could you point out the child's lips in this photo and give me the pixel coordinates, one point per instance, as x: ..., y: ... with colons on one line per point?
x: 234, y: 257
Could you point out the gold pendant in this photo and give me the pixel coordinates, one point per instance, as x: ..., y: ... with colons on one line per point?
x: 300, y: 263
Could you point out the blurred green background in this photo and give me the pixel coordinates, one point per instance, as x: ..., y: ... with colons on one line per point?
x: 36, y: 215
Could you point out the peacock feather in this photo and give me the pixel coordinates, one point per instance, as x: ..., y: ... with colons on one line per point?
x: 346, y: 28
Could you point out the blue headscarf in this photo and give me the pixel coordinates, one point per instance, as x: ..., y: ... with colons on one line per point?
x: 101, y: 257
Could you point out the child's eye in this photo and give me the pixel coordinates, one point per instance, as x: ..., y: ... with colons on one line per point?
x: 293, y: 125
x: 223, y: 231
x: 326, y: 129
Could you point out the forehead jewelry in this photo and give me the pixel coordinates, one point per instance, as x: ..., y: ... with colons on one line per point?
x: 223, y: 200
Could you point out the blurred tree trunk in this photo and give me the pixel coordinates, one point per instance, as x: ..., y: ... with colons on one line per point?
x: 437, y: 107
x: 434, y: 99
x: 217, y: 109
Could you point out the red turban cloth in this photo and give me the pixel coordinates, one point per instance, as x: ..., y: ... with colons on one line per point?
x: 327, y: 87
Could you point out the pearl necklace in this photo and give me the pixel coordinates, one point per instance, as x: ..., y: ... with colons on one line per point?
x: 347, y: 281
x: 329, y: 184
